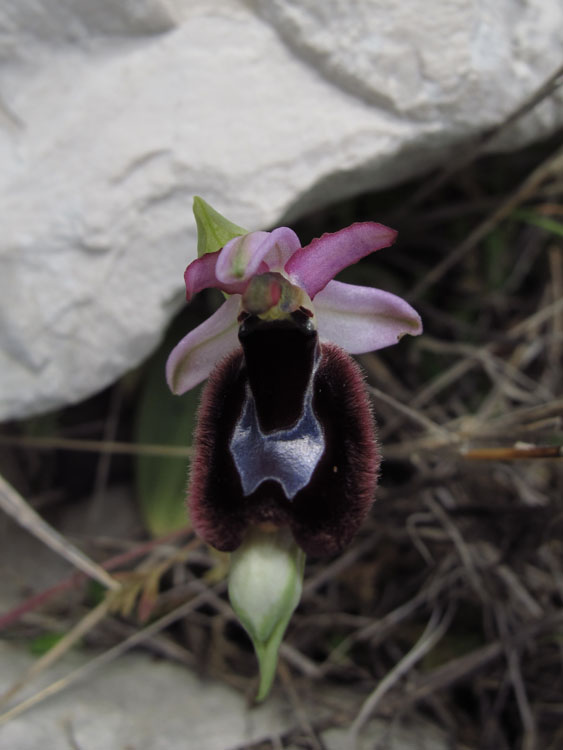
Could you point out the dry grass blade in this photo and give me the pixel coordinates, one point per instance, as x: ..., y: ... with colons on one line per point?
x: 14, y: 504
x: 329, y: 572
x: 556, y: 343
x: 115, y: 599
x: 53, y: 654
x: 515, y: 675
x: 414, y: 415
x: 315, y: 742
x: 74, y: 580
x: 463, y: 667
x: 538, y: 319
x: 391, y: 619
x: 524, y: 415
x: 529, y: 186
x: 433, y: 632
x: 516, y: 452
x: 96, y: 446
x: 455, y: 535
x: 110, y: 655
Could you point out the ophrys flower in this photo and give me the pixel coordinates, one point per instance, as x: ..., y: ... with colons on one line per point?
x: 286, y: 459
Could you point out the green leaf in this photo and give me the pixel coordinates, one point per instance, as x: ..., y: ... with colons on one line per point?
x: 164, y: 419
x: 495, y: 245
x: 45, y: 642
x: 95, y: 592
x: 213, y: 230
x: 538, y: 220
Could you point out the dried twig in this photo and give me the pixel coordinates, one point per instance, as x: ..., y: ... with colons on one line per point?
x: 88, y: 622
x: 516, y: 452
x: 412, y: 414
x: 35, y: 601
x: 96, y: 446
x: 548, y: 168
x: 316, y: 742
x: 434, y: 631
x: 464, y: 666
x: 14, y: 504
x: 110, y: 655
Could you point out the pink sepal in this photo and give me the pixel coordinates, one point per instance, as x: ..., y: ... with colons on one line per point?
x: 362, y: 319
x: 193, y: 358
x: 314, y: 265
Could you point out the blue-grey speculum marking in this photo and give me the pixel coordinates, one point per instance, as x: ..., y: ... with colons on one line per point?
x: 288, y: 456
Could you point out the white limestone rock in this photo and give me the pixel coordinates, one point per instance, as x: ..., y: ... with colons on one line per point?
x: 145, y: 703
x: 114, y: 114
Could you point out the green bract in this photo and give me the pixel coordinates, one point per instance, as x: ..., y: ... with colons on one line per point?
x: 213, y: 230
x: 265, y: 584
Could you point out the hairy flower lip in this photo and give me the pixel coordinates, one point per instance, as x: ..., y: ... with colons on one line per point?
x: 327, y: 512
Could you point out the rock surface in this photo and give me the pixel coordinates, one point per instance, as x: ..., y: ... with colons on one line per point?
x: 114, y: 114
x: 147, y: 704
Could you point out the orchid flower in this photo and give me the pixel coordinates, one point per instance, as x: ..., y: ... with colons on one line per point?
x: 286, y: 459
x: 285, y: 417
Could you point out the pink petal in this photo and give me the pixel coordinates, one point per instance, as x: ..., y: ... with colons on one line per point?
x: 257, y: 252
x: 193, y: 358
x: 362, y: 319
x: 231, y: 267
x: 313, y: 266
x: 201, y: 274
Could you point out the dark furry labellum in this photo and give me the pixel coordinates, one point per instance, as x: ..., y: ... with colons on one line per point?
x: 285, y: 437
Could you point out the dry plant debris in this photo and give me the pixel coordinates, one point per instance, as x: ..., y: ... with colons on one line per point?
x: 450, y: 601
